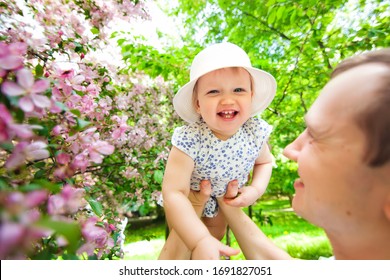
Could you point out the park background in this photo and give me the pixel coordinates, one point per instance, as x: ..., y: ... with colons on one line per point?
x: 86, y: 115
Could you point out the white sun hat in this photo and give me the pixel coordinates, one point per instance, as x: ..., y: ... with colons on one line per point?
x: 217, y: 56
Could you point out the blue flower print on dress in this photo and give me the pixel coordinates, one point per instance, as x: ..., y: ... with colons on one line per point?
x: 221, y: 161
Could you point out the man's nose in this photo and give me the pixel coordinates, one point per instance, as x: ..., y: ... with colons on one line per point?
x: 293, y: 149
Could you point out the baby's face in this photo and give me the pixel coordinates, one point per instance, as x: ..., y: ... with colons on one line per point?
x: 224, y: 100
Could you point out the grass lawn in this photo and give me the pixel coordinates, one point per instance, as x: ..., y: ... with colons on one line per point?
x: 290, y: 232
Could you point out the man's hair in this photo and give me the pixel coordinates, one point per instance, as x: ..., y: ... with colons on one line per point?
x: 375, y: 120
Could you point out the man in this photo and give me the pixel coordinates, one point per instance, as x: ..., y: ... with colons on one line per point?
x: 343, y: 161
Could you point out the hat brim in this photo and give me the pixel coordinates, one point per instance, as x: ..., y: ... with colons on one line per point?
x: 264, y: 89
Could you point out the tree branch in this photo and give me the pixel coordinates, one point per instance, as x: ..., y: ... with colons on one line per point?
x: 281, y: 34
x: 292, y: 74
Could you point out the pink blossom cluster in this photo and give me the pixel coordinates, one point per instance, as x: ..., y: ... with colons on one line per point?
x: 18, y: 232
x: 11, y: 57
x: 97, y: 237
x: 81, y: 151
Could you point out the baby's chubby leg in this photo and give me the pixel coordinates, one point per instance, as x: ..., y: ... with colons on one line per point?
x: 217, y: 225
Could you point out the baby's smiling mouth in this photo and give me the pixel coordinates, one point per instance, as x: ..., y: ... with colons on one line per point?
x: 228, y: 114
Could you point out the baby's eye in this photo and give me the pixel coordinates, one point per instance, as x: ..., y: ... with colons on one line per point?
x: 239, y: 90
x: 213, y: 91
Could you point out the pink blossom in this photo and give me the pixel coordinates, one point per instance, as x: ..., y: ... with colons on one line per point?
x: 89, y: 73
x: 96, y: 237
x: 122, y: 127
x: 81, y: 162
x: 75, y: 82
x: 64, y: 74
x: 162, y: 156
x: 111, y: 227
x: 69, y: 78
x: 63, y: 158
x: 122, y: 101
x: 98, y: 149
x: 5, y: 119
x: 35, y: 198
x: 64, y: 171
x: 87, y: 104
x: 19, y: 203
x: 23, y: 131
x: 93, y: 90
x: 9, y: 129
x: 69, y: 201
x: 138, y: 195
x: 26, y: 151
x: 64, y: 94
x: 17, y: 233
x: 11, y: 234
x: 36, y: 151
x: 156, y: 195
x: 54, y: 107
x: 56, y: 131
x: 130, y: 172
x: 11, y: 56
x: 88, y: 180
x: 29, y: 89
x: 16, y: 238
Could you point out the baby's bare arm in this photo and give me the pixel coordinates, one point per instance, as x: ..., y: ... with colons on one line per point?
x: 180, y: 214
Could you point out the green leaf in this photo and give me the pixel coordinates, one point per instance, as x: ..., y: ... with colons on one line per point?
x: 280, y: 12
x: 39, y: 164
x: 96, y: 206
x: 70, y: 257
x: 95, y: 30
x: 70, y: 230
x: 52, y: 187
x: 3, y: 184
x: 271, y: 16
x: 158, y: 176
x: 38, y: 70
x: 121, y: 41
x: 82, y: 124
x: 61, y: 105
x: 39, y: 174
x: 30, y: 187
x: 7, y: 146
x: 76, y: 112
x: 293, y: 16
x: 19, y: 115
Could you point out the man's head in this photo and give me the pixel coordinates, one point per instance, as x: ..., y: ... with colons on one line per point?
x: 375, y: 119
x: 343, y: 155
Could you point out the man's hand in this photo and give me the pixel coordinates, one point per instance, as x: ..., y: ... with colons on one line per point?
x: 199, y: 198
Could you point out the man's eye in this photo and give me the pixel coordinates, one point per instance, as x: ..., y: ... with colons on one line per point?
x: 310, y: 136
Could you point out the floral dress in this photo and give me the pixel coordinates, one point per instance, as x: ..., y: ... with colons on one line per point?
x: 221, y: 161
